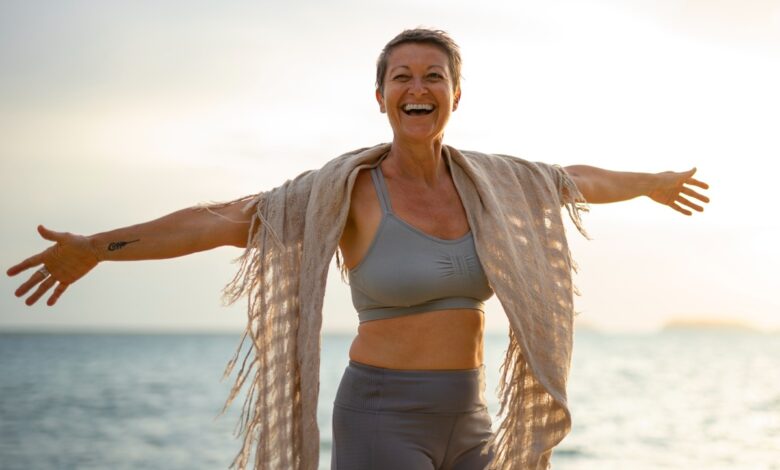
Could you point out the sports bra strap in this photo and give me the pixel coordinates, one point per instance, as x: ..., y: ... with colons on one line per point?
x: 381, y: 189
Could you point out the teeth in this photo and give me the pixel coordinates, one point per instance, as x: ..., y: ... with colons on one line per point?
x: 422, y: 107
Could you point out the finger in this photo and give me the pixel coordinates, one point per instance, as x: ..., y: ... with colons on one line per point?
x: 679, y: 209
x: 698, y: 183
x: 689, y: 203
x: 34, y: 260
x: 34, y: 279
x: 56, y: 294
x: 51, y: 235
x: 45, y: 285
x: 692, y: 193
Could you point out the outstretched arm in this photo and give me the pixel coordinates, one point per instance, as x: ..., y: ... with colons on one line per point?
x: 177, y: 234
x: 673, y: 189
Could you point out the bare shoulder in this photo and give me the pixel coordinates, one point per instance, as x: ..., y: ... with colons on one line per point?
x: 363, y: 192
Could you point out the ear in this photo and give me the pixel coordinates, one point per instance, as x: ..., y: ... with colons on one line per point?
x: 457, y: 100
x: 381, y: 100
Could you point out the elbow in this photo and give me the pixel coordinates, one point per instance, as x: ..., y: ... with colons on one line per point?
x: 576, y: 171
x: 581, y: 180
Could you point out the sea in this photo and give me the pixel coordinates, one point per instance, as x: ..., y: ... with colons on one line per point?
x: 681, y: 399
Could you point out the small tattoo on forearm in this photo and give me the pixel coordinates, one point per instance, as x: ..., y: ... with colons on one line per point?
x: 113, y: 246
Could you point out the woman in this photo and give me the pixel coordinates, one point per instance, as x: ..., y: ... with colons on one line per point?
x: 427, y: 233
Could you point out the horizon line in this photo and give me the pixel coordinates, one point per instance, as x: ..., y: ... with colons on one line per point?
x: 588, y: 329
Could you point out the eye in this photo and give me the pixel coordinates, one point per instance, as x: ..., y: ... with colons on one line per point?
x: 401, y: 77
x: 435, y: 76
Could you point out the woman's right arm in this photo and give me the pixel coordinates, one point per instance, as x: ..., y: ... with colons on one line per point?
x: 177, y: 234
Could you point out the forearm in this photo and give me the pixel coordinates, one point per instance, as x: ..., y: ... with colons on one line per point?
x: 599, y: 186
x: 177, y: 234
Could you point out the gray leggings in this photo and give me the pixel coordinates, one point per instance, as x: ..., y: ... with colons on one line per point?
x: 410, y: 419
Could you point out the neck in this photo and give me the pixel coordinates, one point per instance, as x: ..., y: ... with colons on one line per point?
x: 421, y: 163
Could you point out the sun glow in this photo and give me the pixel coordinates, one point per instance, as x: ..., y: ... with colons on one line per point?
x: 165, y: 113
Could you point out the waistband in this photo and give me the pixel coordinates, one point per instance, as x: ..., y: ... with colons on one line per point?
x: 371, y: 388
x: 417, y: 372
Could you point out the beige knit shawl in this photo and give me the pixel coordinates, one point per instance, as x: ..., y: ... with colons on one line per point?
x: 514, y: 211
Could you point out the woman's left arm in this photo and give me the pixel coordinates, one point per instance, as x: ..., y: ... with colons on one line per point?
x: 673, y: 189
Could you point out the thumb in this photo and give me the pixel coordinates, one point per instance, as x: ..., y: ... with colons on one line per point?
x: 50, y: 235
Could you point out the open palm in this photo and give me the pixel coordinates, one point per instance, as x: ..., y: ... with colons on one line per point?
x: 674, y: 190
x: 65, y: 262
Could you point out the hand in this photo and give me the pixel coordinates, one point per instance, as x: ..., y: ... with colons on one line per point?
x: 671, y: 189
x: 69, y: 259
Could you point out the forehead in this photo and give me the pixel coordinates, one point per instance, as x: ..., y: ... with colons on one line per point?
x: 417, y: 55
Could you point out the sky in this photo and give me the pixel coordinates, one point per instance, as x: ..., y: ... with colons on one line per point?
x: 114, y: 113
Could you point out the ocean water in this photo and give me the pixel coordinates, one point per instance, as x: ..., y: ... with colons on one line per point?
x: 672, y: 400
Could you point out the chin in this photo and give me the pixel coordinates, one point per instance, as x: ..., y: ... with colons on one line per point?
x: 420, y: 137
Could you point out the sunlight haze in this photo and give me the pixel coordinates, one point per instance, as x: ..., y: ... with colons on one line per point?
x: 114, y: 113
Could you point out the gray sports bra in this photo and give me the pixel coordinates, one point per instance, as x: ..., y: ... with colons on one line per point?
x: 407, y: 271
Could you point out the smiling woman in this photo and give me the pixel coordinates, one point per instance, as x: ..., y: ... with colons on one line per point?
x: 419, y: 95
x: 427, y: 233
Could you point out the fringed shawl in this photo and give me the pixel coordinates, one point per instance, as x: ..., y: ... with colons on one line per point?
x: 514, y: 211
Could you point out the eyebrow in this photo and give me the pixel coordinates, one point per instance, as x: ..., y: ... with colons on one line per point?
x: 406, y: 67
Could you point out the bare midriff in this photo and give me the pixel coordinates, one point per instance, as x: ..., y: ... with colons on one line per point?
x: 439, y: 340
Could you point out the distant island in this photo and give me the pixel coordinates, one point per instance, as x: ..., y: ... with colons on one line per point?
x: 707, y: 324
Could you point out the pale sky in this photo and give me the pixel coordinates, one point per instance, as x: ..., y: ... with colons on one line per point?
x: 113, y: 113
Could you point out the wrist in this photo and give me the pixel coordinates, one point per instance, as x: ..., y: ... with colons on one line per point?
x: 95, y: 248
x: 648, y: 183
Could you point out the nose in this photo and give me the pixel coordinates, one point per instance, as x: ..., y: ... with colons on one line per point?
x: 418, y: 86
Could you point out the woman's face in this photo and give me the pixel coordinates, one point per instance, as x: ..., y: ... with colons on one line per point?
x: 418, y: 95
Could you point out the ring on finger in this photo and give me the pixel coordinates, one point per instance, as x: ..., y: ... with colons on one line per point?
x: 44, y: 271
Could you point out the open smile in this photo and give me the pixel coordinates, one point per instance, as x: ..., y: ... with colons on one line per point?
x: 413, y: 109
